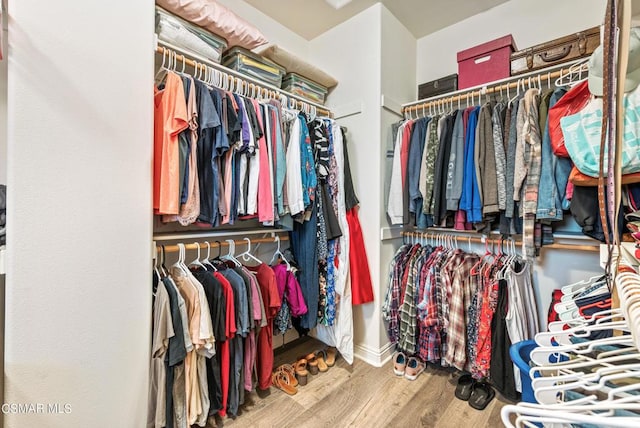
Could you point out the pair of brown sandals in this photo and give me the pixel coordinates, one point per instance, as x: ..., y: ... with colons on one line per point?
x: 288, y: 377
x: 314, y: 363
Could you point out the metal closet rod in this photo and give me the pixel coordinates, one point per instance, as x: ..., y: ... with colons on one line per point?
x: 490, y: 88
x: 217, y: 243
x: 478, y: 240
x: 263, y: 88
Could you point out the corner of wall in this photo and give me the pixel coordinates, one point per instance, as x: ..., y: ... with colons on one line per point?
x: 376, y: 357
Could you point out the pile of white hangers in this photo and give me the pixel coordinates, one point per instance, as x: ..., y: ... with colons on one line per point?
x: 581, y: 381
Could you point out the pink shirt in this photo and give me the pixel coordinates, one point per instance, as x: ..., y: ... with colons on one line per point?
x: 265, y: 188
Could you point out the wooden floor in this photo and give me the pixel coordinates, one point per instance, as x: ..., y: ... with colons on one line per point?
x: 364, y: 396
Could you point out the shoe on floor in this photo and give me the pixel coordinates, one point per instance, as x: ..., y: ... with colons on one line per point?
x: 465, y: 386
x: 281, y: 381
x: 414, y: 368
x: 312, y: 363
x: 331, y: 355
x: 481, y: 396
x: 399, y: 363
x: 321, y: 357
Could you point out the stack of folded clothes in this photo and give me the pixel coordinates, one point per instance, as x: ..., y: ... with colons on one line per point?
x: 184, y: 34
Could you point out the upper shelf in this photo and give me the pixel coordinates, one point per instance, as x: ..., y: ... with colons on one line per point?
x: 191, y: 58
x: 538, y: 77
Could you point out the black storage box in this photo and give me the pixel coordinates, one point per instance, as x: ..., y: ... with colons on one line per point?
x: 438, y: 86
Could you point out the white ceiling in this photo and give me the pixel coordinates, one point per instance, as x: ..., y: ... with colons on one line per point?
x: 310, y: 18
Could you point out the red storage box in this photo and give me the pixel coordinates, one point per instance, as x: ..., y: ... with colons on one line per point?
x: 486, y: 62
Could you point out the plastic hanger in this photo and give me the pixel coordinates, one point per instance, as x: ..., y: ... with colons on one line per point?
x: 511, y: 100
x: 247, y: 254
x: 163, y: 269
x: 163, y: 69
x: 278, y: 253
x: 178, y: 264
x: 557, y: 416
x: 196, y: 261
x: 548, y: 394
x: 574, y: 74
x: 205, y: 261
x: 230, y: 254
x: 474, y: 269
x: 580, y: 284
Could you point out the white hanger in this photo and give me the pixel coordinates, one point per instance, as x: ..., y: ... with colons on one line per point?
x: 279, y: 254
x: 206, y: 261
x: 232, y: 250
x: 582, y: 284
x: 179, y: 264
x: 155, y: 266
x: 162, y: 68
x: 511, y: 100
x: 574, y: 74
x: 196, y: 261
x: 556, y: 417
x: 247, y: 254
x: 548, y: 394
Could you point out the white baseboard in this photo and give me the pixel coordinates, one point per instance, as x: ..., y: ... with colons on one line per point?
x: 372, y: 356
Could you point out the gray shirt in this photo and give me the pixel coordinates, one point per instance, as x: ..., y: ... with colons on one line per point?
x: 455, y: 170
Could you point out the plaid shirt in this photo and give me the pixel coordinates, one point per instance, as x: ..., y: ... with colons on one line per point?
x: 392, y: 299
x: 408, y: 320
x: 460, y: 292
x: 429, y: 340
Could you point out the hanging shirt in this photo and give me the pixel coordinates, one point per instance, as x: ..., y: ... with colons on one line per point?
x: 162, y: 333
x: 176, y: 351
x: 307, y: 165
x: 254, y: 160
x: 268, y: 286
x: 294, y: 170
x: 265, y: 189
x: 280, y: 160
x: 394, y: 205
x: 170, y: 118
x: 190, y: 210
x: 209, y: 122
x: 470, y: 199
x: 259, y: 316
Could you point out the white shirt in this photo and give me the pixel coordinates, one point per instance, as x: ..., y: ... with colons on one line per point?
x: 294, y: 174
x: 394, y: 206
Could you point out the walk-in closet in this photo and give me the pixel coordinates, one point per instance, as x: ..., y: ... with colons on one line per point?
x: 288, y: 213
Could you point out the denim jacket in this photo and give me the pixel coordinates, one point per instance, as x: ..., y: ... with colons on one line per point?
x: 554, y: 175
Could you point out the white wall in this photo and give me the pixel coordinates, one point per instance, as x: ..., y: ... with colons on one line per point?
x: 380, y: 64
x: 3, y: 105
x: 530, y: 21
x: 78, y: 303
x: 355, y: 61
x: 274, y: 31
x: 398, y: 87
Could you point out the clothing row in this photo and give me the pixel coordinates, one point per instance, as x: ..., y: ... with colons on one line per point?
x: 487, y: 167
x: 245, y: 158
x: 213, y: 337
x: 461, y: 310
x: 220, y: 157
x: 328, y: 243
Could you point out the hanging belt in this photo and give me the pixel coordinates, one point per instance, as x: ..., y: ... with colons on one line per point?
x: 615, y: 59
x: 607, y: 205
x: 623, y: 20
